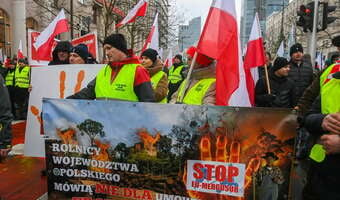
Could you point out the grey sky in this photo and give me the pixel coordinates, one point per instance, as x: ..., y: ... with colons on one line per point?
x: 195, y: 8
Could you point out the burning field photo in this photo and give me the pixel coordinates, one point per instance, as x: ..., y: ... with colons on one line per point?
x: 121, y: 150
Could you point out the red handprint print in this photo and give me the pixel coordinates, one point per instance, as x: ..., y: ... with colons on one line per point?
x: 62, y: 86
x: 218, y: 148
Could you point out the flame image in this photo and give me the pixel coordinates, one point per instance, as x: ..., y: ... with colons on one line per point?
x: 102, y: 156
x: 68, y: 136
x: 149, y: 141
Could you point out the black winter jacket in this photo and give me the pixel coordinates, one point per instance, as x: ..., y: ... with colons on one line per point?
x: 302, y: 77
x: 6, y: 116
x: 327, y: 174
x: 282, y: 90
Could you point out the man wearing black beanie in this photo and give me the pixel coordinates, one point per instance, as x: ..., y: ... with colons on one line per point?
x: 123, y: 78
x: 282, y: 89
x: 301, y: 73
x: 79, y: 54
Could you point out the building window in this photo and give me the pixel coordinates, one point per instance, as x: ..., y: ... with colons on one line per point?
x: 32, y: 24
x: 5, y: 30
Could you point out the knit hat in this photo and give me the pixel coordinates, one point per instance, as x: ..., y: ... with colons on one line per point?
x: 63, y: 46
x: 118, y: 41
x: 336, y: 41
x: 150, y: 53
x: 201, y: 59
x: 279, y: 63
x: 179, y: 57
x: 296, y: 48
x: 81, y: 50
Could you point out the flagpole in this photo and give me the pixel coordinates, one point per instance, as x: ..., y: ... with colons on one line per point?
x: 186, y: 83
x: 254, y: 185
x: 267, y: 79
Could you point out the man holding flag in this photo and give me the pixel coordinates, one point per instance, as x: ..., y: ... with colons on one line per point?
x: 282, y: 89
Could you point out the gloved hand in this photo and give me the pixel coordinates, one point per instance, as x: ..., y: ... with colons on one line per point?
x: 269, y: 97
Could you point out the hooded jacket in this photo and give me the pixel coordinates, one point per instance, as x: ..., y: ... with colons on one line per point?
x: 61, y: 46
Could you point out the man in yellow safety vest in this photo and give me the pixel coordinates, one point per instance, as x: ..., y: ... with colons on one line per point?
x: 123, y: 78
x: 324, y: 120
x: 21, y: 88
x: 201, y: 89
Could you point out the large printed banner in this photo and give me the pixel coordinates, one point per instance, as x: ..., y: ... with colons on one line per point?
x: 122, y: 150
x: 54, y: 82
x: 90, y: 40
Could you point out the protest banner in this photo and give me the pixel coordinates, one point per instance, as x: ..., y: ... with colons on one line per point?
x: 108, y: 149
x: 54, y: 82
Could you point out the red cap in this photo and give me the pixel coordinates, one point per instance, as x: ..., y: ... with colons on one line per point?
x: 201, y: 58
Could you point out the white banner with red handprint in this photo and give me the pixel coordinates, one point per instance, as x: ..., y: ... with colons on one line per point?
x: 127, y: 150
x: 54, y: 82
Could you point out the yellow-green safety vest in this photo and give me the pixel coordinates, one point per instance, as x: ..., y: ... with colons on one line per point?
x: 155, y: 80
x: 22, y: 78
x: 329, y: 91
x: 195, y: 94
x: 10, y: 78
x: 175, y: 74
x: 122, y: 88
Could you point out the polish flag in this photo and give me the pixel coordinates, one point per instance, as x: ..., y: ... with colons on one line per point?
x: 281, y: 51
x: 254, y: 58
x: 20, y: 54
x: 220, y: 40
x: 138, y: 11
x: 152, y: 39
x: 45, y: 40
x: 168, y: 61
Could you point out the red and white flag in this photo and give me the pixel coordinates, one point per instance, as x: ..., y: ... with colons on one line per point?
x: 20, y: 54
x: 139, y: 10
x: 168, y: 61
x: 254, y: 58
x: 45, y: 40
x: 152, y: 40
x: 220, y: 40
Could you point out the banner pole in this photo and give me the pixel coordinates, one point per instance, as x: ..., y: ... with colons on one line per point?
x: 186, y: 83
x: 254, y: 185
x: 267, y: 79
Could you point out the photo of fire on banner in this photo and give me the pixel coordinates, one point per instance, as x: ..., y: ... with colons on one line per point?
x: 122, y: 150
